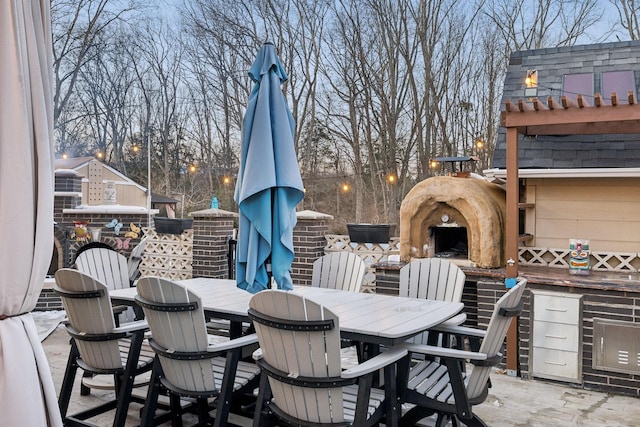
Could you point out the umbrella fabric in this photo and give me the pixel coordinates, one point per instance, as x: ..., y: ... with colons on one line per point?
x: 27, y: 392
x: 269, y: 185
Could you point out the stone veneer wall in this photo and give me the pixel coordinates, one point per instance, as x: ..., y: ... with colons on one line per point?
x: 212, y: 229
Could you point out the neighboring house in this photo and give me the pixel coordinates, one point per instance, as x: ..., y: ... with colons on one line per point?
x: 96, y: 177
x: 578, y: 179
x: 576, y: 186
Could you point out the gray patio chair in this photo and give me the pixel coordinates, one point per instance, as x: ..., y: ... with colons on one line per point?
x: 98, y: 346
x: 110, y: 268
x: 339, y: 270
x: 134, y: 260
x: 432, y: 278
x: 302, y: 382
x: 189, y: 363
x: 439, y: 385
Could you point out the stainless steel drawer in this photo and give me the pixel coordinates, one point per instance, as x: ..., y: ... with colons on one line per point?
x: 556, y: 307
x: 558, y: 336
x: 556, y: 364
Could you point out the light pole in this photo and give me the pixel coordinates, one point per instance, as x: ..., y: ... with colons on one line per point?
x: 148, y: 180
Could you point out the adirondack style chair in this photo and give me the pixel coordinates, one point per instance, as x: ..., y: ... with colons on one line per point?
x: 439, y: 385
x: 339, y: 270
x: 302, y: 381
x: 133, y: 262
x: 433, y: 278
x: 110, y: 268
x: 98, y: 346
x: 188, y: 363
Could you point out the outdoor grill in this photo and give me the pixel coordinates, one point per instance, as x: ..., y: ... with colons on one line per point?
x: 454, y: 217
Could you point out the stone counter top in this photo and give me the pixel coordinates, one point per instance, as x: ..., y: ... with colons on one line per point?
x: 606, y: 280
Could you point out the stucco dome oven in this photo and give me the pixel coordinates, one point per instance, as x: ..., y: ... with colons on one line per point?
x: 454, y: 217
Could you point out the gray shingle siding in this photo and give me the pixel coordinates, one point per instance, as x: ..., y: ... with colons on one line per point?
x: 574, y: 151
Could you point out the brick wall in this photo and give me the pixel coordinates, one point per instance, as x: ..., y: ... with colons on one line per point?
x: 308, y: 243
x: 48, y: 300
x: 212, y: 229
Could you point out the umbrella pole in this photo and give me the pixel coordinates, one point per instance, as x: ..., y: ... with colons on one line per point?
x: 269, y: 273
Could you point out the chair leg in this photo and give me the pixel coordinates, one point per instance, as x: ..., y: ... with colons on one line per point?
x: 124, y: 381
x: 473, y: 422
x: 84, y: 390
x: 264, y: 395
x: 226, y: 389
x: 69, y: 378
x: 203, y: 412
x: 413, y: 415
x: 362, y: 400
x: 151, y: 401
x: 176, y: 417
x: 393, y: 408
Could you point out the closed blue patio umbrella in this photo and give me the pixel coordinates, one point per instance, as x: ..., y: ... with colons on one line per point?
x: 269, y: 185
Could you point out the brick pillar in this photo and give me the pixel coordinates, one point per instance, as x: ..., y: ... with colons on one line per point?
x: 212, y: 229
x: 308, y: 244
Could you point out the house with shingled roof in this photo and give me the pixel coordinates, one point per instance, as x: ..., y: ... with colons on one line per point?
x: 576, y: 186
x: 572, y: 117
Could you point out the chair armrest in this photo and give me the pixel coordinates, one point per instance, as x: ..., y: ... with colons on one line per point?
x: 117, y: 309
x: 444, y: 352
x: 138, y: 325
x: 459, y: 330
x: 234, y: 343
x: 257, y: 355
x: 380, y: 361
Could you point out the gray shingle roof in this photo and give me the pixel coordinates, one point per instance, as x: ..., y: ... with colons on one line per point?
x: 574, y: 151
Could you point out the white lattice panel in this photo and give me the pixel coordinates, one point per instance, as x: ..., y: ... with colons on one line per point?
x: 168, y: 255
x: 559, y: 258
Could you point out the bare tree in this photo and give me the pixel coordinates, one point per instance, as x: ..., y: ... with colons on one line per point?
x: 76, y: 25
x: 542, y: 23
x: 628, y: 13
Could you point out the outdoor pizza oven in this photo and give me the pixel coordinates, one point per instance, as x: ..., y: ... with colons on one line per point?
x: 454, y: 217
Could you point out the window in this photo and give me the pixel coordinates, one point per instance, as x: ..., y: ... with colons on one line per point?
x: 578, y: 84
x: 620, y: 82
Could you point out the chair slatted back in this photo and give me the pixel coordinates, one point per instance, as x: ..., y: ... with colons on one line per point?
x: 300, y: 353
x: 178, y: 330
x: 89, y: 314
x: 106, y: 265
x: 110, y: 268
x: 431, y: 278
x: 133, y: 263
x: 339, y: 270
x: 495, y: 335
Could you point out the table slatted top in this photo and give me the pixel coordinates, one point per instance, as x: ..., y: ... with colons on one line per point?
x: 375, y: 318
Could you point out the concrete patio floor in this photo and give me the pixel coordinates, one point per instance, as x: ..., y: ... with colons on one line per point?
x: 512, y: 402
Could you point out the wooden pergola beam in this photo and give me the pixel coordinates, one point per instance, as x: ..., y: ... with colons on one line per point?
x: 621, y: 118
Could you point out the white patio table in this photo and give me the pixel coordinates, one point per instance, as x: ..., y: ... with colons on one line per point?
x: 364, y: 317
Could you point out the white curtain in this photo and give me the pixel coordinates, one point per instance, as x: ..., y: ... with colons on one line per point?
x: 27, y: 393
